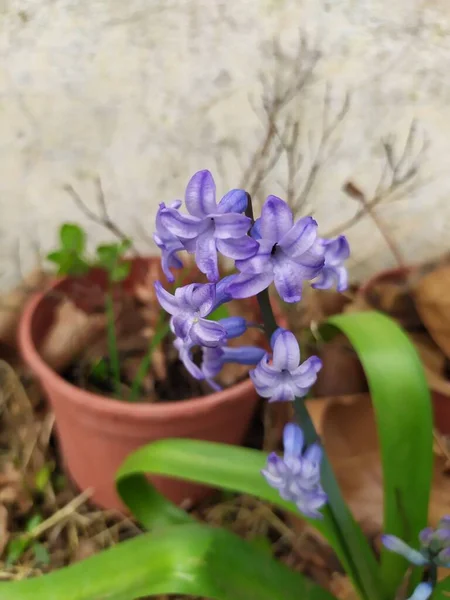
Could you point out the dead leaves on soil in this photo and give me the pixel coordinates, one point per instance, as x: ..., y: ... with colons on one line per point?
x: 348, y: 430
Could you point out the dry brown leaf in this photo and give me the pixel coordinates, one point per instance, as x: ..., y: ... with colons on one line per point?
x: 349, y: 434
x: 72, y: 331
x: 432, y: 298
x: 393, y: 296
x: 13, y: 489
x: 342, y: 372
x: 4, y: 533
x: 11, y: 304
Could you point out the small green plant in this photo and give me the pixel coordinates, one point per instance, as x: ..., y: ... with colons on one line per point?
x: 72, y: 260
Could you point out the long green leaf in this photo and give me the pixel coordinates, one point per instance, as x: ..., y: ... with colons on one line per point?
x: 218, y: 465
x: 188, y: 559
x: 402, y: 407
x: 442, y: 590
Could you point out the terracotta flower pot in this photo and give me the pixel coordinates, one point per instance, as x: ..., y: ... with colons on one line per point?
x: 97, y: 433
x: 431, y: 356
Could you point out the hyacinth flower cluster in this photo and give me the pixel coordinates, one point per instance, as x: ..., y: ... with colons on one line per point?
x: 273, y: 249
x: 433, y: 552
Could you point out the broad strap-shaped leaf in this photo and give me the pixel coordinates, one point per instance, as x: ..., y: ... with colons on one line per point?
x: 402, y: 407
x: 188, y: 559
x: 217, y: 465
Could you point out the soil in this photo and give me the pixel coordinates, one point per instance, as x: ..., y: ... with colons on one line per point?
x: 166, y: 380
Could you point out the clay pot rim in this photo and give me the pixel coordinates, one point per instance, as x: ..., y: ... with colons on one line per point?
x: 102, y: 404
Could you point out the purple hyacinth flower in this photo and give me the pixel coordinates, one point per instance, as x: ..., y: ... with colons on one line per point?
x: 285, y: 379
x: 434, y: 546
x: 336, y: 252
x: 296, y: 476
x: 214, y: 358
x: 189, y: 307
x: 422, y: 591
x: 209, y: 227
x: 287, y: 255
x: 168, y: 243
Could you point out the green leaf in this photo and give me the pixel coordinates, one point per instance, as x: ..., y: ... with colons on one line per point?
x: 221, y: 312
x: 190, y: 559
x: 218, y: 465
x: 33, y: 522
x: 120, y: 271
x: 442, y: 590
x: 41, y: 554
x: 72, y: 238
x: 56, y: 257
x: 403, y: 414
x: 16, y: 548
x: 43, y: 477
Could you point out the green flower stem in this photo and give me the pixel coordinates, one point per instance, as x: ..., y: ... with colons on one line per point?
x: 112, y: 341
x: 360, y: 558
x: 162, y: 329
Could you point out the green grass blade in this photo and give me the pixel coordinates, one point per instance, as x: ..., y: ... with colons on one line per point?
x: 188, y: 559
x: 403, y: 414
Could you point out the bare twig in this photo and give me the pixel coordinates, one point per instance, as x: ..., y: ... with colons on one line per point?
x: 398, y: 178
x: 289, y: 78
x: 103, y: 218
x: 351, y: 190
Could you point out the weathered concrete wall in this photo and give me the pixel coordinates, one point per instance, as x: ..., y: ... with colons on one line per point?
x: 144, y: 93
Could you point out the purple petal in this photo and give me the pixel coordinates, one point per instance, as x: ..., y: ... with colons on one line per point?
x: 207, y: 333
x: 255, y: 231
x: 202, y: 297
x: 325, y: 280
x: 234, y: 326
x: 185, y: 353
x: 266, y: 374
x: 288, y: 279
x: 168, y: 302
x: 422, y: 592
x: 283, y: 393
x: 310, y: 504
x: 212, y: 362
x: 206, y: 256
x: 275, y: 471
x: 213, y: 385
x: 276, y: 219
x: 305, y: 375
x: 180, y: 225
x: 314, y: 454
x: 444, y: 557
x: 234, y: 201
x: 286, y: 353
x: 337, y: 250
x: 293, y: 441
x: 244, y: 355
x: 300, y: 237
x: 231, y: 225
x: 246, y: 285
x: 201, y: 195
x: 222, y: 293
x: 395, y: 544
x: 181, y: 325
x: 259, y: 262
x: 238, y: 249
x: 263, y: 382
x: 426, y: 535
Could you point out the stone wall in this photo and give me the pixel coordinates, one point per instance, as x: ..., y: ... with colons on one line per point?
x: 142, y: 94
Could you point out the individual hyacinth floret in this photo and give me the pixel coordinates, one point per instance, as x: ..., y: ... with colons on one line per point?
x: 284, y: 378
x: 296, y: 476
x: 210, y: 227
x: 434, y: 546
